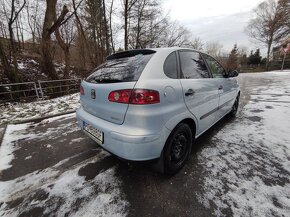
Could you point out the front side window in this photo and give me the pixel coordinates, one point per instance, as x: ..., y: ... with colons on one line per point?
x: 215, y: 67
x: 193, y: 65
x: 170, y: 66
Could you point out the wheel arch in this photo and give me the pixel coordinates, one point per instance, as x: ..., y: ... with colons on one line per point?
x: 191, y: 123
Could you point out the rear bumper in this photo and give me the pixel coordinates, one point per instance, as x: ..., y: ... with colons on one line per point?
x: 120, y: 140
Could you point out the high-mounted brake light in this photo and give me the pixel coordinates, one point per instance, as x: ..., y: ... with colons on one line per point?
x: 82, y: 91
x: 136, y: 96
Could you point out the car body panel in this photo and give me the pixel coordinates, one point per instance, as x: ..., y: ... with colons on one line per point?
x: 119, y: 140
x: 99, y: 105
x: 204, y: 103
x: 227, y: 95
x: 139, y: 132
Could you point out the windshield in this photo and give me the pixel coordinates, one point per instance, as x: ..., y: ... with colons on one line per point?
x: 123, y: 69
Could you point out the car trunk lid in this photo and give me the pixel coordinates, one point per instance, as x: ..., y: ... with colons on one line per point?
x: 120, y: 71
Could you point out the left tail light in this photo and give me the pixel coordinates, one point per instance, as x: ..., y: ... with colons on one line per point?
x: 82, y: 91
x: 135, y: 96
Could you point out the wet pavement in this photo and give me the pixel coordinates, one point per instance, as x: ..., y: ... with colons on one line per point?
x: 58, y: 171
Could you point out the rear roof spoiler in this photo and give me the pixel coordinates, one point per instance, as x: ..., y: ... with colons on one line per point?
x: 130, y: 53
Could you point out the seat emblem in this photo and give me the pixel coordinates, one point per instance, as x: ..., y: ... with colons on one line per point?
x: 93, y: 94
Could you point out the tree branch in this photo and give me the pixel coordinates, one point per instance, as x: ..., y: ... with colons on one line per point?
x: 17, y: 13
x: 58, y: 22
x: 75, y: 10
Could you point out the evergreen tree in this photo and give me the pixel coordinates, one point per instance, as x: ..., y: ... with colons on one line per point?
x: 255, y: 58
x: 232, y: 63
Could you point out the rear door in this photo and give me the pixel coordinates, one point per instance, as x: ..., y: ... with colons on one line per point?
x: 120, y: 71
x: 200, y: 91
x: 227, y: 86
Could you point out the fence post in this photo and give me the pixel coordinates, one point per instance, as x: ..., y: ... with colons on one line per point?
x: 40, y: 88
x: 36, y: 91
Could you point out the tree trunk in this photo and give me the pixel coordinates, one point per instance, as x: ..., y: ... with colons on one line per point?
x: 126, y: 25
x: 81, y: 28
x: 111, y: 31
x: 13, y: 48
x: 66, y: 51
x: 106, y: 30
x: 268, y: 54
x: 47, y: 63
x: 10, y: 73
x: 67, y: 63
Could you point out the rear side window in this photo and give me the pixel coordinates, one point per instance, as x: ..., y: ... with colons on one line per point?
x: 170, y: 66
x: 121, y: 68
x: 193, y: 65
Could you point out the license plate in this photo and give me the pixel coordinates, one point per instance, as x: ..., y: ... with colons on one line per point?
x: 98, y: 134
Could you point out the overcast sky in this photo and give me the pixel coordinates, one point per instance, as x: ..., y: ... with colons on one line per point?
x: 215, y: 20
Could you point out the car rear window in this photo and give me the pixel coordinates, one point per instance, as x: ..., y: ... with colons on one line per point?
x: 121, y: 67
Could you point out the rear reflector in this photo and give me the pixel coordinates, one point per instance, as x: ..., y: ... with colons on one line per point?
x: 82, y: 91
x: 136, y: 96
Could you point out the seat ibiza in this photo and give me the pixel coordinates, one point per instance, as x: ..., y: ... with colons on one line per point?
x: 153, y: 103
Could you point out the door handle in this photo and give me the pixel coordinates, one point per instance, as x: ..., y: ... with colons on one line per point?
x: 189, y: 92
x: 221, y: 87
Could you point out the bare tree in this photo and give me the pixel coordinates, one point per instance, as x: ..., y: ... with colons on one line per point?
x: 10, y: 73
x: 65, y: 35
x: 214, y: 49
x: 49, y: 26
x: 111, y: 25
x: 98, y: 35
x: 14, y: 13
x: 33, y: 19
x: 178, y: 35
x: 196, y: 43
x: 128, y: 4
x: 82, y: 39
x: 270, y: 23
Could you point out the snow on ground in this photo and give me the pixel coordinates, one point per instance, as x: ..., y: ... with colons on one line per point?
x: 59, y: 191
x: 248, y: 166
x: 9, y: 144
x: 16, y: 132
x: 21, y: 111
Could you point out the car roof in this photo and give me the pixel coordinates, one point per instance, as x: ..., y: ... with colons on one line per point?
x: 164, y: 50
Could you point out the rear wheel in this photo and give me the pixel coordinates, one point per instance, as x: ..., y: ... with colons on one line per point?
x: 235, y: 107
x: 177, y: 149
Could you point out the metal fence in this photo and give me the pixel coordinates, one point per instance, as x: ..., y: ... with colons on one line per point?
x: 54, y: 88
x: 28, y: 91
x: 19, y: 91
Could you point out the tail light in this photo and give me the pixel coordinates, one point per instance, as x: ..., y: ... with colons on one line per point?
x: 136, y: 96
x: 82, y: 91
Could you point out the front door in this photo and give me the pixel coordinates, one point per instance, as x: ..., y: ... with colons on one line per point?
x: 227, y: 86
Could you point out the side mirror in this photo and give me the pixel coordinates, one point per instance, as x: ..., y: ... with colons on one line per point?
x: 233, y: 73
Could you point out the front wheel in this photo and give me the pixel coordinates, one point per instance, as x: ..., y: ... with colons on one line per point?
x: 235, y: 107
x: 177, y: 148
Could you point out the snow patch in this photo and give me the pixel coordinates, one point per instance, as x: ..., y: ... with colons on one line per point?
x: 77, y: 140
x: 28, y: 157
x: 23, y: 111
x: 67, y: 191
x: 13, y: 133
x: 247, y: 165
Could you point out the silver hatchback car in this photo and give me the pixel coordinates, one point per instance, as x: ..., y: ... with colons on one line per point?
x: 153, y: 103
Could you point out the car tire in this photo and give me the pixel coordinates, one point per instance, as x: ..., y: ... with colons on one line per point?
x: 177, y: 149
x: 233, y: 112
